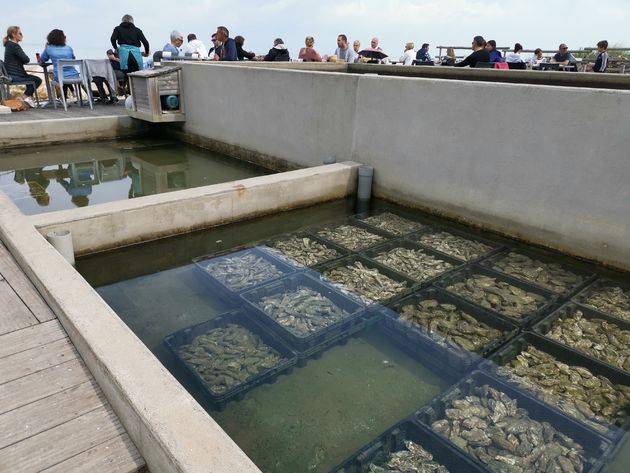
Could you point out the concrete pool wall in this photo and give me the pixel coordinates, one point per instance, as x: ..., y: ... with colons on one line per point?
x: 546, y: 164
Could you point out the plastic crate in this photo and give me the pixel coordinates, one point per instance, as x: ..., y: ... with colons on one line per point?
x: 301, y: 343
x: 544, y: 326
x: 390, y: 273
x: 360, y: 218
x: 597, y: 449
x: 242, y: 318
x: 415, y: 334
x: 402, y: 243
x: 316, y: 352
x: 230, y: 295
x: 566, y: 356
x: 594, y: 287
x: 341, y: 251
x: 587, y: 277
x: 393, y: 440
x: 527, y: 319
x: 384, y: 235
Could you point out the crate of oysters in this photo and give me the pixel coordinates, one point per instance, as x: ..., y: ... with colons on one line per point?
x: 304, y: 311
x: 591, y: 392
x: 504, y: 429
x: 408, y: 447
x: 305, y: 249
x: 552, y: 273
x: 231, y: 272
x: 230, y: 355
x: 504, y: 296
x: 459, y: 330
x: 393, y: 222
x: 608, y: 297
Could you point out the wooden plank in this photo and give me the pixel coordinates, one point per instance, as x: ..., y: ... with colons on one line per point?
x: 23, y: 287
x: 118, y: 455
x: 31, y: 337
x: 42, y: 384
x: 53, y: 446
x: 31, y: 419
x: 36, y: 359
x: 14, y: 315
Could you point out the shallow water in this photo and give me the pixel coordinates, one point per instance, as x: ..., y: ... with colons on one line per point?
x: 46, y: 179
x: 311, y: 419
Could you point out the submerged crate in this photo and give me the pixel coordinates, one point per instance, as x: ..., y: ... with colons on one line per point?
x: 526, y: 319
x: 372, y: 253
x: 568, y: 357
x: 405, y: 225
x: 341, y: 252
x: 597, y: 449
x: 240, y: 317
x: 316, y: 351
x: 305, y: 342
x: 568, y: 310
x: 414, y: 334
x: 410, y: 284
x: 378, y: 236
x: 228, y: 290
x: 393, y: 440
x: 598, y: 286
x: 585, y: 276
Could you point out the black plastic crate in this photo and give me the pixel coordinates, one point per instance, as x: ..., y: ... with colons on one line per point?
x: 598, y: 285
x: 393, y: 440
x: 402, y: 243
x: 242, y: 318
x: 566, y: 356
x: 316, y: 352
x: 390, y: 273
x: 407, y: 216
x: 415, y: 334
x: 568, y: 310
x: 230, y: 295
x: 384, y: 235
x: 527, y: 319
x: 302, y: 343
x: 495, y: 247
x: 341, y: 252
x: 587, y: 276
x: 597, y: 449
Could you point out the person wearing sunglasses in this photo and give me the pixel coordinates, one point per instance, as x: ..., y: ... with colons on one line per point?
x: 14, y: 60
x: 564, y: 57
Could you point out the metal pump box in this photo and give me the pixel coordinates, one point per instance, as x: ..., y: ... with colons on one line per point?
x: 157, y: 94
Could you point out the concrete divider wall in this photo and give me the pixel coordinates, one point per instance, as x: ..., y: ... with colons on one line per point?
x: 541, y: 163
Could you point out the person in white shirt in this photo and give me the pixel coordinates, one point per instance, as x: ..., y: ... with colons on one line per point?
x: 538, y: 58
x: 195, y: 46
x: 516, y: 55
x: 408, y: 56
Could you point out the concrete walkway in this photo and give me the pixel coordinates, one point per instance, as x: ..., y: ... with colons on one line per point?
x: 100, y: 110
x: 53, y: 415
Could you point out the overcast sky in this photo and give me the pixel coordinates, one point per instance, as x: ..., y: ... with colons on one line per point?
x: 534, y: 23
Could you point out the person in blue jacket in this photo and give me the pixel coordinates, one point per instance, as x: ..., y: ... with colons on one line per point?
x: 56, y: 48
x: 228, y: 48
x: 495, y: 56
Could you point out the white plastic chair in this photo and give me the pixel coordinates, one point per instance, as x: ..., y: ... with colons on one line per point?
x: 83, y: 79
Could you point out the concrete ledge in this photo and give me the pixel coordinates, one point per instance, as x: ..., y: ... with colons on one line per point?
x: 64, y: 130
x: 116, y: 224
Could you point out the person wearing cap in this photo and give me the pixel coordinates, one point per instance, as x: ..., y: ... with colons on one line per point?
x: 479, y: 54
x: 177, y: 39
x: 279, y: 52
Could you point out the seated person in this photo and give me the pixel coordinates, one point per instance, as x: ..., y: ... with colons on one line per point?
x: 423, y: 54
x: 515, y: 56
x: 538, y: 58
x: 279, y: 52
x: 408, y: 55
x: 495, y: 56
x: 195, y: 46
x: 56, y: 48
x: 601, y: 63
x: 308, y: 53
x: 344, y: 52
x: 177, y: 39
x: 479, y: 54
x: 240, y: 52
x: 564, y: 57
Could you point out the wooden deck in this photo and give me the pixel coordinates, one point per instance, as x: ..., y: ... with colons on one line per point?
x: 100, y: 110
x: 53, y: 415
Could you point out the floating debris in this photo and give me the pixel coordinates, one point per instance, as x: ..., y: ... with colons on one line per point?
x: 369, y: 282
x: 241, y: 271
x: 228, y: 356
x: 501, y: 296
x: 392, y: 223
x: 490, y: 426
x: 574, y: 389
x: 414, y: 459
x: 414, y: 263
x: 596, y: 337
x: 455, y: 245
x: 612, y: 300
x: 351, y: 237
x: 305, y: 250
x: 551, y: 276
x: 302, y: 311
x: 450, y: 322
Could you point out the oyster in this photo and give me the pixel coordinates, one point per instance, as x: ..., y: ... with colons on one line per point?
x: 305, y: 250
x: 351, y: 237
x: 454, y: 245
x: 369, y: 282
x: 414, y: 459
x: 392, y: 223
x: 414, y: 263
x: 612, y: 300
x: 241, y: 271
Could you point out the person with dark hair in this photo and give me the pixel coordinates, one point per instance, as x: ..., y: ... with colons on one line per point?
x: 127, y: 38
x: 279, y: 52
x: 564, y: 57
x: 240, y: 52
x: 423, y: 54
x: 14, y: 60
x: 344, y: 52
x: 538, y: 58
x: 56, y: 48
x: 601, y: 63
x: 215, y: 50
x: 479, y: 54
x: 228, y: 46
x: 495, y: 56
x: 195, y: 46
x: 515, y: 56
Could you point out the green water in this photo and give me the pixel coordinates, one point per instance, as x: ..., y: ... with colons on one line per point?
x: 309, y: 420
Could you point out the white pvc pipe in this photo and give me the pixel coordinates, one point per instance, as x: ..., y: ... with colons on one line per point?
x: 61, y: 240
